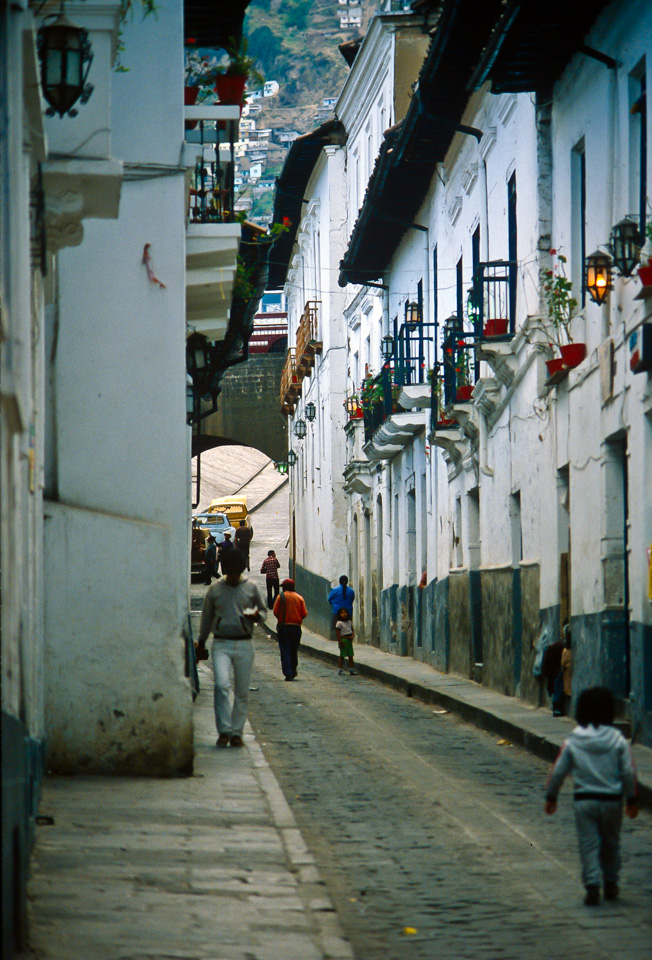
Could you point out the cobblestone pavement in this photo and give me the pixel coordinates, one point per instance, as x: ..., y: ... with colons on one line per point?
x: 430, y: 833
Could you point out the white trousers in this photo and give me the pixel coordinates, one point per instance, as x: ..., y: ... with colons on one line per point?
x: 236, y: 656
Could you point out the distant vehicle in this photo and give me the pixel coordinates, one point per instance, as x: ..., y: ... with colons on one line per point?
x: 234, y: 507
x: 202, y: 525
x: 216, y: 523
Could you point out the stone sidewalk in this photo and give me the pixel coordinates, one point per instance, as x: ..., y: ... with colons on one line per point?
x: 530, y: 727
x: 208, y: 867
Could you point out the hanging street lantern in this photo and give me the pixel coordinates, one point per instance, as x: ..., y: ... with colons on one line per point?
x: 190, y: 403
x: 198, y: 356
x: 452, y: 327
x: 300, y: 429
x: 311, y: 411
x: 598, y: 280
x: 292, y: 458
x: 387, y: 347
x: 625, y: 246
x: 66, y: 56
x: 412, y: 312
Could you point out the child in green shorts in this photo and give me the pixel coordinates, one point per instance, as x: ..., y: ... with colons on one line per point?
x: 345, y: 633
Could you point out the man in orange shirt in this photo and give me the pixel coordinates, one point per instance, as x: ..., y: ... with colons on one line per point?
x: 290, y: 612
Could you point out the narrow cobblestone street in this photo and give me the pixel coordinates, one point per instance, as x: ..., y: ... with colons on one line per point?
x: 431, y: 834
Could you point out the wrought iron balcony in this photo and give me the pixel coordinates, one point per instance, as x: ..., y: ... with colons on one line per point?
x: 492, y: 299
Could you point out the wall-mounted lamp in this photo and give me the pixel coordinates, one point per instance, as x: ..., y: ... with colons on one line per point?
x: 598, y: 276
x: 198, y: 356
x: 292, y: 458
x: 311, y: 411
x: 65, y: 54
x: 412, y: 312
x: 282, y: 466
x: 387, y: 347
x: 625, y: 246
x: 300, y: 429
x: 452, y: 327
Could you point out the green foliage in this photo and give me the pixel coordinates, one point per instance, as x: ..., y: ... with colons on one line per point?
x: 557, y: 294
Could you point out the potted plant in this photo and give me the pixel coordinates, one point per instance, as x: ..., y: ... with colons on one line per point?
x: 495, y: 327
x: 463, y: 386
x: 560, y: 304
x: 231, y: 81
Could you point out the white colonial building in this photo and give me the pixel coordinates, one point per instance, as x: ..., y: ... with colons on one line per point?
x: 497, y: 489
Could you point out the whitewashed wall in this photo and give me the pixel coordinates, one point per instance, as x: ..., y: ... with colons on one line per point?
x: 116, y: 546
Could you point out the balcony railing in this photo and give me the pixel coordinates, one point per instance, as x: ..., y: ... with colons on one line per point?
x: 290, y: 383
x: 308, y: 341
x: 214, y: 128
x: 492, y: 299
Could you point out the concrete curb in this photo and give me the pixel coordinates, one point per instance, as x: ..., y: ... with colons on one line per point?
x: 310, y: 886
x: 516, y: 731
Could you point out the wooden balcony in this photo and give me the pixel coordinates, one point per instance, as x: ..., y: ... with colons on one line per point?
x: 290, y: 384
x: 308, y: 340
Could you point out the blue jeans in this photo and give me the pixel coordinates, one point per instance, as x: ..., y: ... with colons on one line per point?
x: 289, y: 638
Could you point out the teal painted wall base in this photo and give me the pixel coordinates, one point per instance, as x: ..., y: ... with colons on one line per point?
x: 314, y: 590
x: 22, y: 773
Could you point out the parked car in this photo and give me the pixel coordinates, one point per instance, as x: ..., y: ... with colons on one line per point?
x: 234, y: 507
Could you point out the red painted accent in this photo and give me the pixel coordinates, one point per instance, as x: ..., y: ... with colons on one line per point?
x: 189, y: 100
x: 464, y: 393
x: 645, y: 273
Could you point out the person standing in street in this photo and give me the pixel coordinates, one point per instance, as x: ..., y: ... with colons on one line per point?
x: 290, y: 612
x: 225, y: 547
x: 210, y: 559
x: 270, y: 568
x: 231, y: 607
x: 243, y: 540
x: 339, y: 597
x: 345, y: 634
x: 599, y: 760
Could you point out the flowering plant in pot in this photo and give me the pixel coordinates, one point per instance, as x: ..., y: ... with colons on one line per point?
x: 463, y: 386
x: 557, y: 291
x: 231, y: 80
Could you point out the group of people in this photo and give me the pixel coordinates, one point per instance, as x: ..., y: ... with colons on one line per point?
x: 215, y: 553
x: 595, y: 753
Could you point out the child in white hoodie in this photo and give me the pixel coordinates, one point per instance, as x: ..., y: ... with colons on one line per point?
x: 598, y: 757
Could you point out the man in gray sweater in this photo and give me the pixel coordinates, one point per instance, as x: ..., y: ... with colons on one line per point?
x: 231, y: 608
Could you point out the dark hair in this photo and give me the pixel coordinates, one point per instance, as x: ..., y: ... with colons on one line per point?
x: 234, y: 562
x: 596, y: 706
x: 343, y: 610
x: 344, y: 580
x: 270, y: 553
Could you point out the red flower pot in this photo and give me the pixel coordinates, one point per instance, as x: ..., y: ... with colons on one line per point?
x: 230, y: 88
x: 573, y: 353
x: 645, y: 273
x: 190, y: 95
x: 556, y: 365
x: 445, y: 422
x: 464, y: 393
x: 496, y: 327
